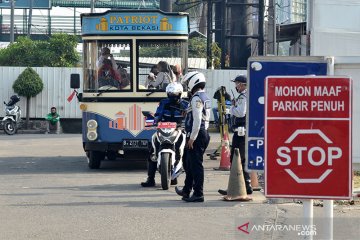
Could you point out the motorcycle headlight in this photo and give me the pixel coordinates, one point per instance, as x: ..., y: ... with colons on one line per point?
x: 92, y: 124
x: 92, y: 135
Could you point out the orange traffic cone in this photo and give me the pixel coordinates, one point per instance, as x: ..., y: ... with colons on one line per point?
x: 236, y: 190
x: 225, y: 154
x: 254, y: 181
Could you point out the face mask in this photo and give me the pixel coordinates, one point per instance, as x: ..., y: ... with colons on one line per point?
x: 174, y: 98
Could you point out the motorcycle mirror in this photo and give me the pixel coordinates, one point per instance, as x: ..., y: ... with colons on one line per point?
x: 147, y: 114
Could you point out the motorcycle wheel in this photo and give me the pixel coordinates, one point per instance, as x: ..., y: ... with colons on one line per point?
x: 95, y: 158
x: 9, y: 127
x: 165, y: 171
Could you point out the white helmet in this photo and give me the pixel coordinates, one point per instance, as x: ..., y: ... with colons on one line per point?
x: 174, y: 88
x: 191, y: 79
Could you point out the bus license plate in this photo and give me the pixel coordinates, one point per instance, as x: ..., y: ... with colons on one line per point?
x: 135, y: 143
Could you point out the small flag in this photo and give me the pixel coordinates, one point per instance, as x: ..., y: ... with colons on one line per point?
x: 70, y: 98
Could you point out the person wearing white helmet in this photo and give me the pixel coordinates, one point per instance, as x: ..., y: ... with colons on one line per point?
x: 169, y: 110
x: 197, y: 137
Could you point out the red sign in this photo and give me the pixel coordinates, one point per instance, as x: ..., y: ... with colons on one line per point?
x: 308, y: 137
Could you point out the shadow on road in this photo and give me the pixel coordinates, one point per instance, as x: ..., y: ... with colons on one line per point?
x: 56, y: 165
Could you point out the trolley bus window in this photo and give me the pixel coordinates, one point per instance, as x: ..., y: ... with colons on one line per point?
x: 150, y: 53
x: 107, y: 66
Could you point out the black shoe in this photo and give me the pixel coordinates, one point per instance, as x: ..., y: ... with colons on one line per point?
x: 149, y: 183
x: 222, y: 192
x: 174, y: 182
x: 181, y: 192
x: 249, y: 190
x: 194, y: 198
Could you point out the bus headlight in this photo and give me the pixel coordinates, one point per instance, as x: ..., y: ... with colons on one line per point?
x: 92, y: 135
x: 92, y: 124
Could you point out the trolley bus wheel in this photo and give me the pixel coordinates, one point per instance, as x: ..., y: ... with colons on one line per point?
x: 95, y: 158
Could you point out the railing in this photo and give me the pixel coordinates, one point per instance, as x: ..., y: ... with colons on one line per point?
x: 45, y: 25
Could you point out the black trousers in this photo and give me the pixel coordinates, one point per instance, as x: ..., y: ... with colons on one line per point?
x: 193, y: 165
x: 239, y: 142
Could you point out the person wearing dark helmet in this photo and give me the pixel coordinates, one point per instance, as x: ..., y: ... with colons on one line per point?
x: 169, y: 110
x: 238, y: 115
x: 197, y: 137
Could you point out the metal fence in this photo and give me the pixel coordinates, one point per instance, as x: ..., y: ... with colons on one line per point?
x: 57, y: 89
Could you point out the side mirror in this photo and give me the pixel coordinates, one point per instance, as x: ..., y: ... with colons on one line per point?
x: 75, y: 81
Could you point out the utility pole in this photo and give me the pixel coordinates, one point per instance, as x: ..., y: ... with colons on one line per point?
x: 209, y: 62
x: 92, y: 6
x: 223, y: 33
x: 261, y: 28
x: 271, y: 34
x: 30, y: 18
x: 165, y: 5
x: 12, y: 4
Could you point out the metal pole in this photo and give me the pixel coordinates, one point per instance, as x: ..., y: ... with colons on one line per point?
x: 271, y: 40
x: 165, y: 5
x: 223, y: 32
x: 74, y: 20
x: 329, y: 219
x: 30, y: 18
x: 12, y: 21
x: 209, y: 36
x: 92, y: 6
x: 261, y: 28
x: 308, y: 213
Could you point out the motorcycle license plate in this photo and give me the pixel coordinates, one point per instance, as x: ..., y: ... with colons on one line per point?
x: 131, y: 143
x: 167, y: 125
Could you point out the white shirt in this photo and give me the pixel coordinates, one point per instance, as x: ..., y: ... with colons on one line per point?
x: 197, y: 107
x: 239, y: 110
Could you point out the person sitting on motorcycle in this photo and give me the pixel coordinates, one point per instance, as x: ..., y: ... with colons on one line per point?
x: 169, y: 110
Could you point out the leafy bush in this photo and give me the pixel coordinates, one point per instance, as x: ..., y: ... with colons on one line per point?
x: 28, y: 84
x: 58, y: 51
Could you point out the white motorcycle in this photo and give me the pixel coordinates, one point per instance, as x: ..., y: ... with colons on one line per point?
x: 12, y: 118
x: 168, y: 135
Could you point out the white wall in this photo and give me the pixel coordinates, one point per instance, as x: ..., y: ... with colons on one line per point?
x: 56, y: 90
x: 350, y: 66
x: 334, y: 27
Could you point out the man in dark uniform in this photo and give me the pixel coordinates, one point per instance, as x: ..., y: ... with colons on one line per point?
x: 169, y: 110
x: 197, y: 137
x: 238, y: 115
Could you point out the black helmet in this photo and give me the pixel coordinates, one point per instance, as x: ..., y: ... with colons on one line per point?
x: 13, y: 99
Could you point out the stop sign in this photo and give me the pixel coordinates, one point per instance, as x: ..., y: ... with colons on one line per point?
x: 308, y: 137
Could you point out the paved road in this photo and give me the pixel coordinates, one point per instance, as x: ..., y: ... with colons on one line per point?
x: 47, y: 192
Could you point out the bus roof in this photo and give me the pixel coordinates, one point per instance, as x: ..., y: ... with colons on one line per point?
x: 134, y: 22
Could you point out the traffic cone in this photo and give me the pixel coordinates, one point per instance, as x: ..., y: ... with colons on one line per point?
x: 236, y: 190
x: 225, y: 154
x: 254, y: 181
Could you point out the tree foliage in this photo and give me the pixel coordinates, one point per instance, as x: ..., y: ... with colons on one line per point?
x: 28, y: 84
x: 58, y: 51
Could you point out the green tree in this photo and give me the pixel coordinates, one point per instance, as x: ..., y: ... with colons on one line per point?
x: 58, y: 51
x: 28, y: 84
x: 197, y: 47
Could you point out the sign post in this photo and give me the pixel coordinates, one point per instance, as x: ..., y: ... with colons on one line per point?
x: 308, y: 140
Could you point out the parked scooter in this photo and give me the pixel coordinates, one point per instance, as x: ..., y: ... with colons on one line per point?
x: 12, y: 119
x: 167, y: 135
